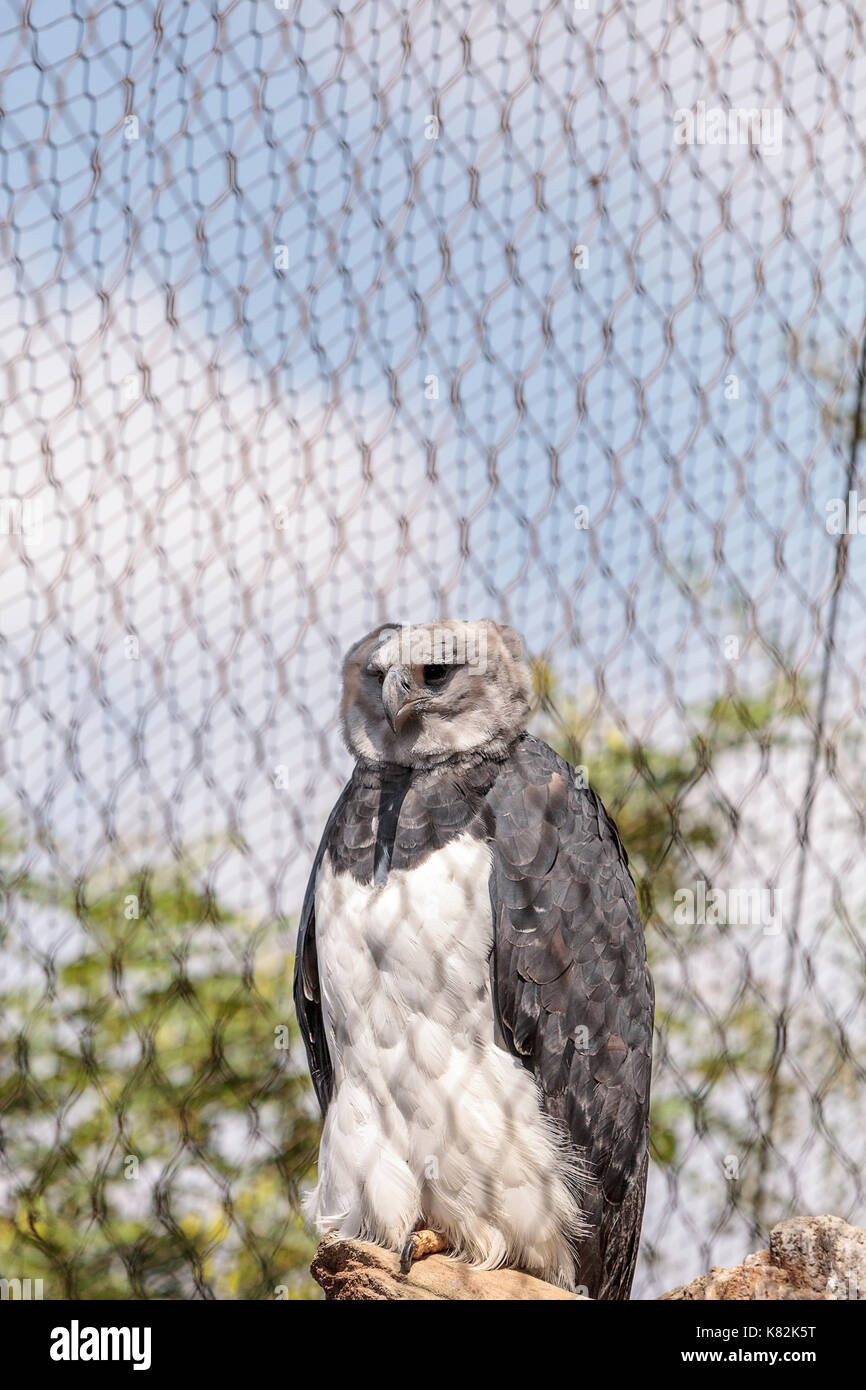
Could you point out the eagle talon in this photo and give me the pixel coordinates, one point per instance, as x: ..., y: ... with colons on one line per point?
x: 420, y: 1243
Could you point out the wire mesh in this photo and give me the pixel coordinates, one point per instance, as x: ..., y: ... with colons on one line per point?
x: 317, y: 318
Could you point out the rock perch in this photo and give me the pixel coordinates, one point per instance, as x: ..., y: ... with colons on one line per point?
x: 818, y: 1257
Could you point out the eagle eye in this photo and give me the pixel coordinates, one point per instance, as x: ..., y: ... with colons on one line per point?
x: 435, y: 675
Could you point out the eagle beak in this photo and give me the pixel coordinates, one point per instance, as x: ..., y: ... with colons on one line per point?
x: 395, y: 697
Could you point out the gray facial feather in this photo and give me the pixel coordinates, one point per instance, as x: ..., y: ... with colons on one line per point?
x: 417, y: 696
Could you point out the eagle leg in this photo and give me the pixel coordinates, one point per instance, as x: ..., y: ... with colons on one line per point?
x: 420, y: 1243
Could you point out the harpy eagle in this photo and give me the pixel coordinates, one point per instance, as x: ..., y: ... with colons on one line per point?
x: 471, y: 979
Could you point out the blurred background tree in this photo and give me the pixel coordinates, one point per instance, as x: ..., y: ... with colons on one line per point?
x: 154, y: 1109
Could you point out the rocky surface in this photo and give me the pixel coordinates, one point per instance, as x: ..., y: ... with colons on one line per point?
x: 819, y: 1257
x: 352, y: 1269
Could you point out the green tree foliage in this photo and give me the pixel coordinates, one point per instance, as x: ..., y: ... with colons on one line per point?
x: 155, y: 1112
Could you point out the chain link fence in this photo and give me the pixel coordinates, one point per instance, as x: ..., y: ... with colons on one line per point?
x: 316, y: 318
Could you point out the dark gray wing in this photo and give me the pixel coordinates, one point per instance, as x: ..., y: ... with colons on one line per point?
x: 572, y: 989
x: 308, y: 1005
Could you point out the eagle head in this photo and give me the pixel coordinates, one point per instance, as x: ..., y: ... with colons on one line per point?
x: 421, y: 694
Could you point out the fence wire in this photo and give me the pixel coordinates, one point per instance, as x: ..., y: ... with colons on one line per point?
x: 316, y: 318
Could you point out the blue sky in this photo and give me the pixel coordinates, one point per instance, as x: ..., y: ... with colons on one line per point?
x: 152, y: 260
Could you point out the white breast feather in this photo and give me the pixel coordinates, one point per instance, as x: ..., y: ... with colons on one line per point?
x: 429, y: 1118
